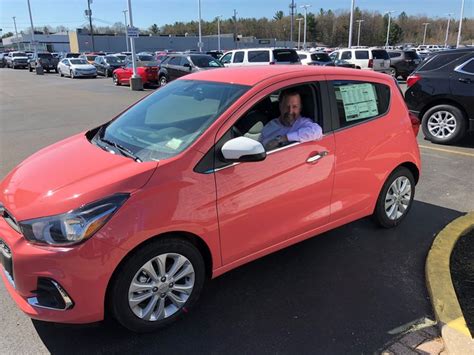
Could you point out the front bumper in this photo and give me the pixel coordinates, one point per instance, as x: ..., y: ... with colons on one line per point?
x: 82, y: 272
x: 85, y: 74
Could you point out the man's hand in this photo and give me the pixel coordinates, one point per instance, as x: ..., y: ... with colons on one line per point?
x: 276, y: 142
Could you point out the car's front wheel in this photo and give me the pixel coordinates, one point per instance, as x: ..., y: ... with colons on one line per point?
x: 163, y: 81
x: 157, y: 284
x: 396, y: 198
x: 116, y: 80
x: 71, y: 74
x: 444, y: 124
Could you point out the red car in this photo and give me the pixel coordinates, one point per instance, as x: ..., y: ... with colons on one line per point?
x: 133, y: 216
x: 148, y: 71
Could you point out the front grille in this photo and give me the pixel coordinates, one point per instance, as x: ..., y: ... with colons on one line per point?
x: 7, y: 216
x: 6, y: 259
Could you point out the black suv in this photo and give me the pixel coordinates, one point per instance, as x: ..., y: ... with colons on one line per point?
x: 106, y: 65
x: 441, y: 93
x: 45, y: 60
x: 403, y: 63
x: 177, y: 65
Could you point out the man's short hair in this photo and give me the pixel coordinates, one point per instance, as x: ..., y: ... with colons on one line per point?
x: 288, y: 92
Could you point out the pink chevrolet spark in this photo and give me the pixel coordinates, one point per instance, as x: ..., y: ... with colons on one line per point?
x: 131, y: 217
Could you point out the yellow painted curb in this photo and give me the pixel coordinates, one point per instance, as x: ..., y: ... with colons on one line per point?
x: 440, y: 285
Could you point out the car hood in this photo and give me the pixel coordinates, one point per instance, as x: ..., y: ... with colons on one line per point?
x: 67, y: 175
x: 82, y: 66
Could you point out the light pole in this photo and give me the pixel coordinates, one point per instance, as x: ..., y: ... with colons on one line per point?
x: 388, y: 27
x: 358, y: 32
x: 424, y: 33
x: 299, y: 19
x: 305, y: 7
x: 135, y: 81
x: 460, y: 24
x: 90, y: 23
x: 32, y: 29
x: 350, y: 24
x: 219, y: 33
x: 16, y: 33
x: 200, y: 34
x: 447, y: 31
x: 126, y: 28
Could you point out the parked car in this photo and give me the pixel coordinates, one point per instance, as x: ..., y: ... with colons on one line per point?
x: 403, y: 62
x: 71, y: 55
x: 90, y: 57
x: 3, y: 60
x: 120, y: 56
x: 76, y: 67
x: 441, y: 92
x: 142, y: 57
x: 260, y: 56
x: 178, y: 65
x: 147, y: 70
x: 45, y: 60
x: 315, y: 58
x: 129, y: 219
x: 17, y: 60
x: 106, y: 65
x: 368, y: 59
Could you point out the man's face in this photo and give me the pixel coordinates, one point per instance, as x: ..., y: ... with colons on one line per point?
x: 290, y: 109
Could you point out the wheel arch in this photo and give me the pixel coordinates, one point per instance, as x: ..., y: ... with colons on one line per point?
x: 194, y: 239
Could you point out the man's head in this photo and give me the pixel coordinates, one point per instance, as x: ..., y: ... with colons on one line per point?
x: 290, y: 107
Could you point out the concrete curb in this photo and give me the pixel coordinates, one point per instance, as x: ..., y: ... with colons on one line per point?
x: 454, y: 331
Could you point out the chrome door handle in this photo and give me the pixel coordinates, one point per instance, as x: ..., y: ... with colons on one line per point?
x: 316, y: 157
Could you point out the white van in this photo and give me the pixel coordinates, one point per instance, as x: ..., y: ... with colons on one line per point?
x: 259, y: 56
x: 369, y: 58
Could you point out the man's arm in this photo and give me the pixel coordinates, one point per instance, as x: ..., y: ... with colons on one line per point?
x: 306, y: 131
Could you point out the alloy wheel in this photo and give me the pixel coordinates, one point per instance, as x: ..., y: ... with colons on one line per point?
x: 441, y: 124
x: 161, y: 287
x: 398, y: 198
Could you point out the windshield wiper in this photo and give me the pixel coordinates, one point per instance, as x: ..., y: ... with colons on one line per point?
x: 125, y: 151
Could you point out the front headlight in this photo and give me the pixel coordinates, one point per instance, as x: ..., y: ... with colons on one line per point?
x: 74, y: 226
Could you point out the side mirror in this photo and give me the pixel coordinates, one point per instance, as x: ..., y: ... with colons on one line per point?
x: 243, y: 149
x: 187, y: 65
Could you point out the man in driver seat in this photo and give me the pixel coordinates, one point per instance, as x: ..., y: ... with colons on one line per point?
x: 290, y: 126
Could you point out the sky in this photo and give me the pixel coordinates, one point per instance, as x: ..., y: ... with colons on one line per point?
x: 70, y: 13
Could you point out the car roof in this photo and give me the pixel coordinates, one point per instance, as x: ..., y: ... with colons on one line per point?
x: 251, y: 75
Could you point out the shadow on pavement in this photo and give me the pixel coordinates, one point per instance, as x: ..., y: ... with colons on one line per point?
x: 341, y: 292
x: 466, y: 142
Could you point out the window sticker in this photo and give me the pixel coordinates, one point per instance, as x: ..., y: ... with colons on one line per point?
x: 360, y: 101
x: 174, y: 143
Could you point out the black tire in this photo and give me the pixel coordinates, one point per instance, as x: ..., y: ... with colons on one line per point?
x: 116, y: 80
x: 440, y: 110
x: 106, y: 73
x: 380, y: 214
x: 47, y: 70
x: 118, y: 292
x: 162, y: 81
x: 56, y: 70
x: 30, y: 68
x: 394, y: 72
x: 71, y: 74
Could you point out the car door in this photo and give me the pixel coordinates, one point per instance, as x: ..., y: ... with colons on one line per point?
x: 184, y: 68
x: 462, y: 84
x: 172, y: 66
x: 266, y: 205
x: 237, y: 59
x: 125, y: 74
x: 364, y: 135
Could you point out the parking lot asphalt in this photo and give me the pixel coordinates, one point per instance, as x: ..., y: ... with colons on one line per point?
x: 341, y: 292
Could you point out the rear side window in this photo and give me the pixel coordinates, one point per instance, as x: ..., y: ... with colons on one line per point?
x: 439, y: 61
x: 175, y: 61
x: 467, y: 67
x: 362, y: 54
x: 320, y: 57
x: 238, y: 57
x: 259, y: 56
x: 359, y: 101
x: 285, y: 55
x: 346, y: 55
x: 394, y: 54
x: 379, y: 54
x: 412, y: 55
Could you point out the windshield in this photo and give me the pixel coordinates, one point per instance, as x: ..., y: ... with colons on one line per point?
x: 320, y: 57
x: 145, y: 57
x: 91, y: 57
x: 45, y: 55
x: 168, y: 121
x: 78, y: 61
x: 112, y: 60
x: 204, y: 61
x: 19, y: 54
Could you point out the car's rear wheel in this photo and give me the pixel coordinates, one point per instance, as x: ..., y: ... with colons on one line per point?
x: 116, y: 80
x: 396, y: 198
x: 163, y: 81
x: 393, y: 72
x: 30, y: 68
x: 71, y: 74
x: 444, y: 124
x: 157, y: 284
